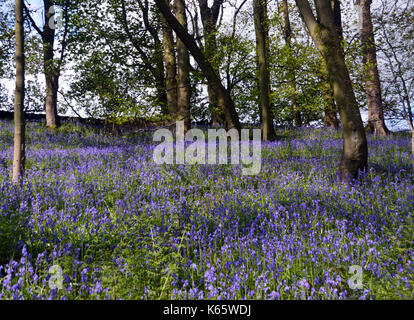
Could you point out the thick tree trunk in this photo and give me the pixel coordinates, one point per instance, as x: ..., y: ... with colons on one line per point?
x: 183, y: 70
x: 288, y: 35
x: 223, y: 97
x: 19, y: 123
x: 170, y: 68
x: 376, y: 121
x: 262, y: 52
x: 50, y: 69
x: 327, y: 39
x: 209, y: 16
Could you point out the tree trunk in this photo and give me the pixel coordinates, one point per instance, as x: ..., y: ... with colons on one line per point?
x: 376, y: 121
x: 288, y: 36
x: 325, y: 34
x: 209, y: 18
x: 159, y: 76
x: 158, y: 71
x: 19, y: 123
x: 262, y: 52
x: 160, y: 86
x: 223, y: 97
x: 412, y: 146
x: 330, y: 119
x: 50, y: 69
x: 170, y: 68
x: 183, y: 70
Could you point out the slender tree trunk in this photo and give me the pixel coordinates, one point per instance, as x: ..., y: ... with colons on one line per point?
x: 223, y: 97
x: 159, y: 72
x: 159, y: 76
x: 170, y: 68
x: 288, y: 39
x: 19, y: 123
x: 327, y: 39
x: 262, y: 56
x: 209, y: 16
x: 376, y: 121
x: 183, y: 70
x: 412, y: 146
x: 50, y: 69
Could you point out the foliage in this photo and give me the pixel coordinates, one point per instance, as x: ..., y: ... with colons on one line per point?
x: 301, y: 62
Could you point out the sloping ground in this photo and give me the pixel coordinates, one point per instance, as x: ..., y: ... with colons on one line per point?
x: 125, y: 127
x: 119, y: 226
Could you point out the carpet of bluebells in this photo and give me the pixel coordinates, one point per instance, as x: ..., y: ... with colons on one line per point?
x: 121, y: 227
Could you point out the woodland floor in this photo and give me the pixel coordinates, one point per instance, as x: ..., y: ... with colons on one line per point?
x: 118, y: 226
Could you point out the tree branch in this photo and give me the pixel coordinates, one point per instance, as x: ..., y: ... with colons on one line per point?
x: 307, y: 13
x: 32, y: 22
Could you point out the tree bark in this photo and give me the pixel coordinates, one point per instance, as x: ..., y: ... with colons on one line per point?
x: 159, y: 76
x: 376, y: 121
x: 183, y: 70
x: 209, y: 17
x: 170, y: 67
x: 223, y: 97
x: 330, y: 118
x: 50, y: 69
x: 288, y: 36
x: 19, y: 123
x: 327, y: 39
x: 262, y: 57
x: 160, y: 86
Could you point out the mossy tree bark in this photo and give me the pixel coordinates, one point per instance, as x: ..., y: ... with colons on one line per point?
x: 330, y: 118
x: 183, y: 70
x: 324, y: 32
x: 170, y: 67
x: 262, y: 57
